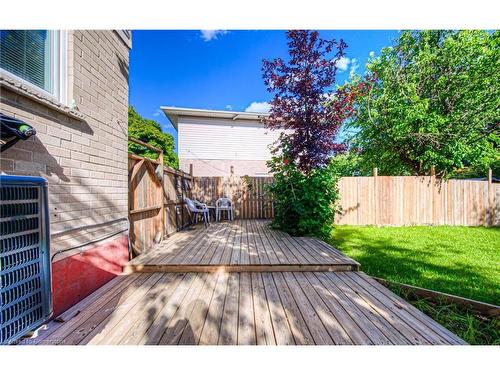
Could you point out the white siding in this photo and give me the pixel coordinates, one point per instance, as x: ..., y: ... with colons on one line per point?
x: 224, y: 139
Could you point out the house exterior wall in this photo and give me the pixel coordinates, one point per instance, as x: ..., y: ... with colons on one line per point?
x: 82, y: 152
x: 222, y: 167
x: 214, y: 145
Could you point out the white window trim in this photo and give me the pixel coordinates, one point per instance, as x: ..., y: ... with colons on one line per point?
x: 59, y: 66
x: 126, y: 37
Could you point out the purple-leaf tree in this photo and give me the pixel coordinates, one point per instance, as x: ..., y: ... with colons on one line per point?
x: 305, y: 101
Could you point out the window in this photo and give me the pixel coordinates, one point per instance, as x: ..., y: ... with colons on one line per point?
x: 37, y: 58
x: 126, y: 36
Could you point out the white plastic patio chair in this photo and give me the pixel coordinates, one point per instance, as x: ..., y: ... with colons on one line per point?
x: 224, y: 204
x: 199, y: 204
x: 202, y: 206
x: 196, y: 209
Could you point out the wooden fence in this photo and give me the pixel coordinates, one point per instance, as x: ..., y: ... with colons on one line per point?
x: 157, y: 208
x: 156, y: 205
x: 247, y: 193
x: 426, y: 200
x: 377, y: 200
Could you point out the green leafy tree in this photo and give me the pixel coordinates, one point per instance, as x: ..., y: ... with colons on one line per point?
x: 433, y: 99
x: 149, y: 131
x: 304, y: 189
x: 348, y: 164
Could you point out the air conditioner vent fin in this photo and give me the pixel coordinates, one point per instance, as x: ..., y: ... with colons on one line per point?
x: 25, y: 283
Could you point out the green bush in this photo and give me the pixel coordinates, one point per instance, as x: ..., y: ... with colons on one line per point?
x: 304, y: 204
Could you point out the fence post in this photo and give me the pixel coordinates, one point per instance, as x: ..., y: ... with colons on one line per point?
x: 230, y: 192
x: 191, y: 181
x: 433, y: 195
x: 162, y: 198
x: 491, y: 204
x: 375, y: 194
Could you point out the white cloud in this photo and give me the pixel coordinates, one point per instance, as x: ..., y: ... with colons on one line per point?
x: 343, y: 63
x: 208, y: 35
x: 157, y: 113
x: 258, y: 107
x: 354, y: 67
x: 229, y: 107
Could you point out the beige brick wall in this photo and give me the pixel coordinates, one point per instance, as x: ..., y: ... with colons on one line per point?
x: 220, y: 167
x: 84, y: 160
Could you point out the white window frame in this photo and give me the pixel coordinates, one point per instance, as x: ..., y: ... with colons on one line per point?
x: 126, y: 37
x: 58, y: 65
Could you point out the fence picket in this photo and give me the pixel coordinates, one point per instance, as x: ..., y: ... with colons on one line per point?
x: 375, y: 200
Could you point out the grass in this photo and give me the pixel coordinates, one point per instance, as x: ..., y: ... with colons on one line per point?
x: 463, y: 261
x: 465, y: 323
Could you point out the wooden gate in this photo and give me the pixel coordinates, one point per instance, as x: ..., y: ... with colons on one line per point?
x: 156, y: 199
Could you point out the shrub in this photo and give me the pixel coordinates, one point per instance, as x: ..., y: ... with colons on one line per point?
x: 304, y: 204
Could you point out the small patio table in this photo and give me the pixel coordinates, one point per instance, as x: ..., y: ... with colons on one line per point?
x: 211, y: 211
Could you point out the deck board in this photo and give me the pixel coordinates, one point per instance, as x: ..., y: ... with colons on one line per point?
x: 228, y: 334
x: 298, y: 326
x: 240, y: 246
x: 166, y: 310
x: 137, y: 322
x: 211, y: 327
x: 247, y: 308
x: 263, y: 325
x: 243, y: 283
x: 246, y: 317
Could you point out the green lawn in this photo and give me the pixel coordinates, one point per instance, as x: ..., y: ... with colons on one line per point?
x: 464, y: 322
x: 464, y: 261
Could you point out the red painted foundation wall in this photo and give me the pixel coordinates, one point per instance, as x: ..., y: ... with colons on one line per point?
x: 77, y: 276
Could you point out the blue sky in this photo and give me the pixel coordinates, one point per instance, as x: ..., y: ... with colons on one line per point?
x: 220, y: 69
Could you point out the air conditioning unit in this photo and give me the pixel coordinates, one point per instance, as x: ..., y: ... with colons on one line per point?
x: 25, y: 281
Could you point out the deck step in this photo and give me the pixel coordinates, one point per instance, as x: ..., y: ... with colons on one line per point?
x: 241, y: 246
x: 183, y: 268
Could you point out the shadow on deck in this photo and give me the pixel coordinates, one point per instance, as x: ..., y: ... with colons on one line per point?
x: 242, y: 283
x: 240, y: 246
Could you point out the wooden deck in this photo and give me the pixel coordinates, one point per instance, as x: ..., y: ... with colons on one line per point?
x: 240, y: 246
x: 243, y: 283
x: 283, y: 308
